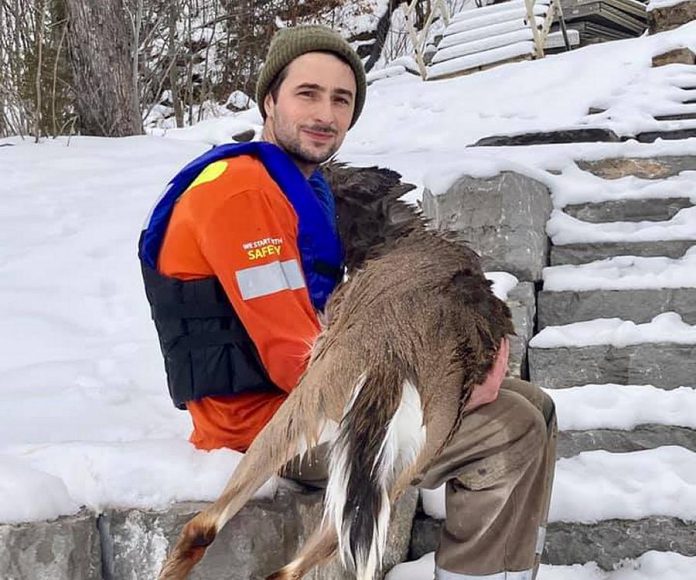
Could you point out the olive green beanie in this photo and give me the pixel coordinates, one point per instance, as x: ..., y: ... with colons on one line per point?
x: 289, y: 43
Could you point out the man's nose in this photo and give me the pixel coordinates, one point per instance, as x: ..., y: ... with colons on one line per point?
x: 323, y: 110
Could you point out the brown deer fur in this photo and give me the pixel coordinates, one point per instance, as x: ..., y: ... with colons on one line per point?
x: 416, y: 310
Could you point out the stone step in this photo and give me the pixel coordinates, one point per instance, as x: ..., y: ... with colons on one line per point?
x: 64, y: 549
x: 606, y: 542
x: 637, y: 305
x: 687, y: 132
x: 262, y: 538
x: 584, y: 253
x: 674, y: 112
x: 628, y: 210
x: 121, y: 544
x: 676, y: 117
x: 570, y: 443
x: 645, y: 168
x: 662, y: 364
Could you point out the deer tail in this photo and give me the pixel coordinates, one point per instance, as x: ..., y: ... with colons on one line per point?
x: 381, y: 433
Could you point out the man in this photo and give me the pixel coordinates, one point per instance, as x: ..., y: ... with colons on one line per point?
x: 242, y: 252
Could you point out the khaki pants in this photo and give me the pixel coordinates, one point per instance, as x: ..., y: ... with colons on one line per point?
x: 498, y: 470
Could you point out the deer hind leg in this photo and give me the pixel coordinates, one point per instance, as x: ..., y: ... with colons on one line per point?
x: 318, y: 549
x: 297, y: 418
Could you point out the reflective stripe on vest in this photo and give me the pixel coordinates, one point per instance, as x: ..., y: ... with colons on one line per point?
x: 320, y: 248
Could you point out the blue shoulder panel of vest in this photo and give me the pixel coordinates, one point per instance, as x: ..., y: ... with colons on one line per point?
x: 312, y: 201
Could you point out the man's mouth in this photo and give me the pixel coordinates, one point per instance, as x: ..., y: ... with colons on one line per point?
x: 319, y: 135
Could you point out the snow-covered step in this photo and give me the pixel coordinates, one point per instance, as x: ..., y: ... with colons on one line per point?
x: 688, y: 96
x: 482, y: 33
x: 629, y: 210
x: 661, y: 352
x: 675, y: 112
x: 629, y: 287
x: 493, y: 9
x: 620, y: 418
x: 472, y: 19
x: 582, y: 253
x: 564, y: 229
x: 670, y: 130
x: 480, y: 59
x: 605, y: 507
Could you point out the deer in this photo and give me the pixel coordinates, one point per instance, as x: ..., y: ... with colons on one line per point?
x: 403, y: 340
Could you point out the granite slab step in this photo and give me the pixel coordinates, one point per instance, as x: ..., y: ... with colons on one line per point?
x: 64, y: 549
x: 662, y: 364
x: 606, y: 542
x: 570, y: 443
x: 584, y: 253
x: 637, y: 305
x: 645, y: 168
x: 260, y: 539
x: 628, y: 210
x: 667, y: 135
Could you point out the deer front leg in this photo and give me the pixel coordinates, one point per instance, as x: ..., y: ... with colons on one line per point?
x: 272, y: 448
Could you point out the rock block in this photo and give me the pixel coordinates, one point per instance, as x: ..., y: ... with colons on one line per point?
x: 664, y: 365
x: 638, y: 305
x: 63, y: 549
x: 522, y: 304
x: 669, y: 17
x: 676, y: 56
x: 645, y: 168
x: 260, y: 539
x: 606, y: 542
x: 583, y: 253
x: 583, y: 135
x: 503, y: 218
x: 570, y: 443
x: 628, y: 210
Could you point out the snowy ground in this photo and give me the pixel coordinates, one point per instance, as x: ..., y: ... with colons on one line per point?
x: 84, y: 414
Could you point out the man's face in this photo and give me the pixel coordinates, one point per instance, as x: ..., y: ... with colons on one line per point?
x: 314, y: 108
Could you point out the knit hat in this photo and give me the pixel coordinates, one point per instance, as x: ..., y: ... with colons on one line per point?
x: 289, y: 43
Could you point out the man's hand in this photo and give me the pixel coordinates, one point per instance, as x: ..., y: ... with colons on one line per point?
x: 487, y: 392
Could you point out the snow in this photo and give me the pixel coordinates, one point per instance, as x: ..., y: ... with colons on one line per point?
x: 623, y: 407
x: 564, y: 229
x: 649, y: 566
x: 666, y: 327
x: 598, y: 485
x: 624, y: 272
x: 503, y: 283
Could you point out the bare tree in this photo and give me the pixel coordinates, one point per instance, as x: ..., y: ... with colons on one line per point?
x: 100, y: 41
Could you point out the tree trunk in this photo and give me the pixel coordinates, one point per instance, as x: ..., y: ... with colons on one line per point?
x: 383, y: 25
x: 100, y: 41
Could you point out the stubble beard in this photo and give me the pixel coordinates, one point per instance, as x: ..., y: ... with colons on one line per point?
x: 290, y: 140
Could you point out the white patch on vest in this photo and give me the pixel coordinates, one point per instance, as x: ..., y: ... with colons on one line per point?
x: 268, y: 279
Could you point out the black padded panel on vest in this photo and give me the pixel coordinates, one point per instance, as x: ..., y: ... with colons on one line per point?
x: 207, y: 351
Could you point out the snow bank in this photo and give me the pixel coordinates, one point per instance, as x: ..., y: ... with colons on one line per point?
x: 137, y: 474
x: 613, y: 406
x: 598, y: 485
x: 665, y: 327
x: 650, y: 566
x: 624, y: 272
